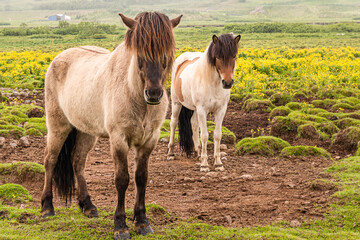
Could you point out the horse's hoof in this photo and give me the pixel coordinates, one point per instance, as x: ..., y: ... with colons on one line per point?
x: 219, y: 168
x: 48, y: 213
x: 171, y: 158
x: 91, y: 213
x: 144, y: 229
x: 204, y: 169
x: 122, y: 234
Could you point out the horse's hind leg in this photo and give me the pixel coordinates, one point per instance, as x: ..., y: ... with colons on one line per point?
x: 195, y: 130
x: 56, y: 137
x: 175, y: 111
x: 84, y: 143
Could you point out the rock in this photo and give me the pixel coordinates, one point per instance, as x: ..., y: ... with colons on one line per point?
x: 97, y: 149
x: 211, y: 174
x: 23, y: 94
x: 2, y: 141
x: 13, y: 144
x: 15, y: 93
x: 24, y: 141
x: 223, y: 154
x: 295, y: 223
x: 223, y: 147
x: 188, y: 179
x: 203, y: 178
x: 228, y: 218
x: 22, y: 206
x: 27, y: 101
x: 164, y: 140
x: 246, y: 176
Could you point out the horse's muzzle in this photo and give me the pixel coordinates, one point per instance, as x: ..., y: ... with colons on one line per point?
x: 153, y: 98
x: 227, y: 85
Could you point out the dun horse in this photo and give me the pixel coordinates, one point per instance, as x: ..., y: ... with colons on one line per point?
x: 201, y: 84
x: 90, y: 93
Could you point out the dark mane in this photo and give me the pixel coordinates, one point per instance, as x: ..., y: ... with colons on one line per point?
x: 225, y: 48
x: 152, y: 37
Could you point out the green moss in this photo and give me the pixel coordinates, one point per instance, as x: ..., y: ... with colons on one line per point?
x: 341, y: 106
x: 306, y: 151
x: 236, y: 97
x: 323, y: 185
x: 294, y: 105
x: 33, y: 132
x: 265, y: 145
x: 22, y: 169
x: 329, y: 128
x: 347, y: 122
x: 14, y: 192
x: 280, y: 98
x: 279, y: 111
x: 348, y: 138
x: 355, y: 115
x: 258, y: 104
x: 307, y: 117
x: 282, y: 125
x: 41, y: 127
x: 326, y: 103
x: 309, y: 131
x: 353, y: 101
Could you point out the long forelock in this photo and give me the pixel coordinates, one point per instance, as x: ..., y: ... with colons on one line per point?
x: 153, y: 38
x: 225, y: 48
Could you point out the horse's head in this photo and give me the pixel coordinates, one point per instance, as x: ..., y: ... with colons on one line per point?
x: 150, y: 36
x: 222, y: 55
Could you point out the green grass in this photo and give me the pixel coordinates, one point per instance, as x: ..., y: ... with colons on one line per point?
x: 265, y: 145
x: 15, y: 193
x: 305, y: 151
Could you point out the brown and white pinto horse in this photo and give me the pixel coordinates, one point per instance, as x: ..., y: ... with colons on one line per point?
x: 201, y: 84
x: 90, y: 93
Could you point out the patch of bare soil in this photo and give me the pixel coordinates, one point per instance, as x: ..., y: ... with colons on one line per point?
x: 252, y: 190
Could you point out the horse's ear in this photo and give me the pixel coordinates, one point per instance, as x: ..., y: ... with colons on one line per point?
x: 129, y: 22
x: 237, y: 38
x: 175, y: 21
x: 215, y: 39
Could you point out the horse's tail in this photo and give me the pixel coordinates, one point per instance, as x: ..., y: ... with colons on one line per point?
x: 64, y: 173
x: 185, y: 131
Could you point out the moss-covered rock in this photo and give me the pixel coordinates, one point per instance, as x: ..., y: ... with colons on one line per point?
x: 307, y: 117
x: 236, y: 97
x: 265, y: 145
x: 283, y: 125
x: 354, y: 115
x: 325, y: 103
x: 341, y: 106
x: 294, y: 105
x: 308, y: 131
x: 279, y: 111
x: 15, y: 193
x: 306, y: 151
x: 348, y: 138
x: 329, y: 128
x: 23, y: 170
x: 280, y: 98
x: 263, y: 105
x: 347, y: 122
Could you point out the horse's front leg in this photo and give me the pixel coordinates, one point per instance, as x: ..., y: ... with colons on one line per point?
x: 204, y: 166
x: 119, y: 151
x: 141, y: 176
x: 175, y: 108
x: 219, y: 117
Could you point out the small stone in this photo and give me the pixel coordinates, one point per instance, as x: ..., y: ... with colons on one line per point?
x: 291, y: 185
x: 27, y: 101
x: 203, y: 178
x: 23, y: 94
x: 24, y: 141
x: 188, y: 179
x: 13, y: 144
x: 223, y: 147
x: 164, y: 140
x: 211, y: 174
x: 2, y: 141
x: 97, y: 149
x: 286, y: 202
x: 223, y: 154
x: 151, y: 182
x: 295, y: 223
x: 228, y: 218
x: 246, y: 176
x: 15, y: 93
x: 22, y: 206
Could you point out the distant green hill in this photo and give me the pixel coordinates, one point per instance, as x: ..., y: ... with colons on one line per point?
x: 209, y: 12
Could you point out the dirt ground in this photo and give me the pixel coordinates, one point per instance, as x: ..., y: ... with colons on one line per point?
x: 252, y: 190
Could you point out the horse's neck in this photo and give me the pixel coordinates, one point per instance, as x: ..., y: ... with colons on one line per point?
x: 207, y: 71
